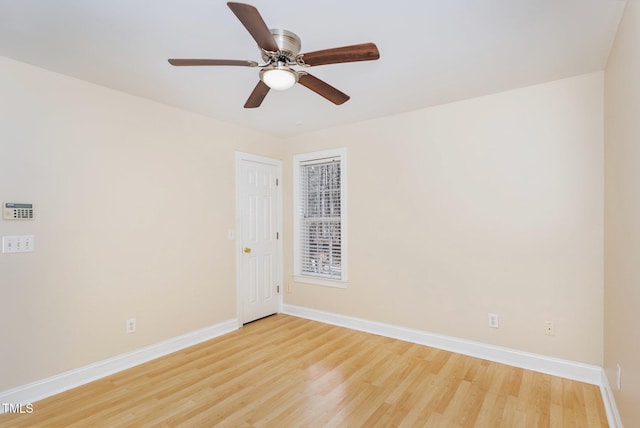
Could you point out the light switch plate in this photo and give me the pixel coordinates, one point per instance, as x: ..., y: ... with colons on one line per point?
x: 18, y: 244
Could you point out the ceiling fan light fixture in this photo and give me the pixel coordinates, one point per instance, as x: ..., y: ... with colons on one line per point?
x: 279, y: 77
x: 280, y: 51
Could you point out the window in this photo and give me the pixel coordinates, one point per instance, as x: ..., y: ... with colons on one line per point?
x: 320, y: 217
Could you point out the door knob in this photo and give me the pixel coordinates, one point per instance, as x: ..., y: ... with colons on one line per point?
x: 246, y: 249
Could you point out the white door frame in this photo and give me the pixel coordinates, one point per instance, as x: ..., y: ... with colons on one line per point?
x: 241, y: 156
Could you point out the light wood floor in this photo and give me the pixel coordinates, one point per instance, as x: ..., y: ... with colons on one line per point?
x: 284, y: 371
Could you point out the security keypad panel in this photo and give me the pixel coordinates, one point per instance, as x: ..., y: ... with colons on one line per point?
x: 14, y: 211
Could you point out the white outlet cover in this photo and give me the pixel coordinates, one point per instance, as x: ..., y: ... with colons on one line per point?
x: 130, y: 326
x: 494, y: 321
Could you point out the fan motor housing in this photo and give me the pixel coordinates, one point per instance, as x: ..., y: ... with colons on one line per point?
x: 288, y: 44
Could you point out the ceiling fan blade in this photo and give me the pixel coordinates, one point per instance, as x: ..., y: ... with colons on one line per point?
x: 239, y: 62
x: 253, y: 22
x: 353, y: 53
x: 323, y: 89
x: 257, y: 96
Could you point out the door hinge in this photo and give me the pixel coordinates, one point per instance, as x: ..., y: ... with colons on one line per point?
x: 277, y: 235
x: 278, y: 288
x: 277, y: 181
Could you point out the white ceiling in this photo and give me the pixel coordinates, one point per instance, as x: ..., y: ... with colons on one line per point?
x: 431, y: 51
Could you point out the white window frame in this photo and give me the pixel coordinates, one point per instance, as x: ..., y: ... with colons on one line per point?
x: 298, y: 161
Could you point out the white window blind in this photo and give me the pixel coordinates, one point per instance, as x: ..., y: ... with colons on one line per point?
x: 320, y: 219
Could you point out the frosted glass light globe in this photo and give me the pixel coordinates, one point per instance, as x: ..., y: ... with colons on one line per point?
x: 280, y: 78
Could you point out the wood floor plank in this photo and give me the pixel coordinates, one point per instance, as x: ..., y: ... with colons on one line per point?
x: 284, y: 371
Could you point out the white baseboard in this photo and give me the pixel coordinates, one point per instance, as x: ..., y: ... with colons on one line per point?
x: 554, y: 366
x: 613, y: 416
x: 594, y: 375
x: 73, y: 378
x: 587, y: 373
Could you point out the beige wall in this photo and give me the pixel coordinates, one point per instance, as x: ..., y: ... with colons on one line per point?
x: 487, y: 205
x: 622, y: 215
x: 493, y: 204
x: 133, y: 200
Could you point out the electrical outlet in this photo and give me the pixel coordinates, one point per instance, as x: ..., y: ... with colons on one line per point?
x: 494, y: 321
x: 549, y: 328
x: 131, y: 325
x: 619, y: 378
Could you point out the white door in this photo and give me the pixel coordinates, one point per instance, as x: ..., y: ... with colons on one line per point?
x: 259, y: 249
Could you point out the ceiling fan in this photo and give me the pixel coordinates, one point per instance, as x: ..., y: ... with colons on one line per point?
x: 281, y: 51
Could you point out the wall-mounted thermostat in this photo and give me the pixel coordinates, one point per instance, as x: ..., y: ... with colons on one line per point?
x: 13, y: 211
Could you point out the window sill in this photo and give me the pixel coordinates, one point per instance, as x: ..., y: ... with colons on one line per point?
x: 320, y: 281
